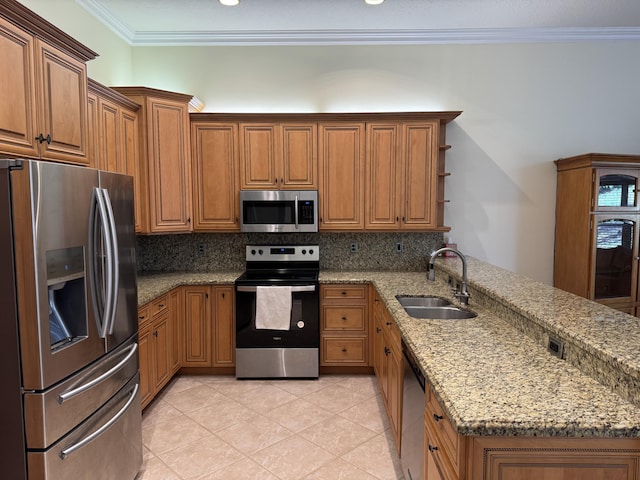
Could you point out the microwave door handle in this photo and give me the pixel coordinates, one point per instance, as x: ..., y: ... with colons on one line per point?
x: 295, y: 212
x: 113, y: 261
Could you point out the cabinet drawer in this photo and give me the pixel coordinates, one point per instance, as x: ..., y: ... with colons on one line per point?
x: 158, y: 306
x: 143, y: 316
x: 445, y: 435
x: 437, y: 465
x: 344, y: 350
x: 341, y: 318
x: 340, y: 292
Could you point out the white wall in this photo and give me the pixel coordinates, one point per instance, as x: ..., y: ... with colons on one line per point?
x: 523, y: 107
x: 113, y: 66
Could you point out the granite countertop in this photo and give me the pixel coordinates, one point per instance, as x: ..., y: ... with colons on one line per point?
x: 491, y: 378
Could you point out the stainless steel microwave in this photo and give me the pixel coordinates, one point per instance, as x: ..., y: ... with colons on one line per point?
x: 279, y: 211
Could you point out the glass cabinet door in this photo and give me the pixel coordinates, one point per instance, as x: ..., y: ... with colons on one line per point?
x: 615, y: 264
x: 616, y: 189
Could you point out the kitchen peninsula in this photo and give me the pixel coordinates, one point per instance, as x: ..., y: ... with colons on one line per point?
x: 508, y: 401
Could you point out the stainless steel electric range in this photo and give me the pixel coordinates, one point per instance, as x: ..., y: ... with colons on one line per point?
x: 277, y: 312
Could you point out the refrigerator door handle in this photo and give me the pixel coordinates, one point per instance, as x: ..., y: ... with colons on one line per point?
x: 113, y: 260
x: 69, y: 450
x: 109, y: 373
x: 102, y: 287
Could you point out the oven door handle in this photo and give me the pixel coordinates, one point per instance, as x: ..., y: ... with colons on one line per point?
x: 294, y: 289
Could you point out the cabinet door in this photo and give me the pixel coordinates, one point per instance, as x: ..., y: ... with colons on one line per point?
x: 614, y: 257
x: 129, y: 145
x: 258, y: 150
x: 145, y: 358
x: 169, y: 166
x: 224, y: 344
x: 383, y: 189
x: 215, y: 179
x: 198, y: 326
x: 341, y: 158
x: 175, y: 299
x: 420, y: 175
x: 92, y: 130
x: 615, y: 189
x: 394, y: 391
x: 161, y: 350
x: 108, y: 136
x: 62, y: 85
x: 18, y: 99
x: 298, y: 165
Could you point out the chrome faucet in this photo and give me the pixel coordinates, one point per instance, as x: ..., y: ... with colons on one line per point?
x: 462, y: 294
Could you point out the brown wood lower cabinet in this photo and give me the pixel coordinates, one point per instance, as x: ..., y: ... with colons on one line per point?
x: 156, y: 338
x: 450, y: 456
x: 387, y: 364
x: 191, y: 326
x: 344, y: 325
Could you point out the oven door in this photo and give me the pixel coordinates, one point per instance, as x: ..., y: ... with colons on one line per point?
x: 304, y: 326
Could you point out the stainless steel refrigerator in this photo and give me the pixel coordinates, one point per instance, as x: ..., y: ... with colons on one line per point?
x: 70, y: 406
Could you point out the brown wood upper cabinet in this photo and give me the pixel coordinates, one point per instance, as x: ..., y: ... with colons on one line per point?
x: 214, y: 155
x: 113, y: 130
x: 341, y: 154
x: 278, y: 156
x: 43, y: 96
x: 402, y: 175
x: 164, y: 163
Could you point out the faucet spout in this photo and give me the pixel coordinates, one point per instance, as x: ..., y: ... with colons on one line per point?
x: 463, y: 293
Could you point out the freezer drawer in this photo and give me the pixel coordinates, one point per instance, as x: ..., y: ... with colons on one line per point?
x: 114, y: 429
x: 49, y: 415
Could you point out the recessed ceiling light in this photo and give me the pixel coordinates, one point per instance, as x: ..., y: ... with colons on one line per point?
x: 230, y: 3
x: 373, y: 2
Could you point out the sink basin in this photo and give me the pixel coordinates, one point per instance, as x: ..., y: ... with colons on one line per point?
x: 447, y: 312
x: 422, y: 301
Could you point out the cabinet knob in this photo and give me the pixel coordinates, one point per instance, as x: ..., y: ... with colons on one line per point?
x: 222, y: 294
x: 387, y: 351
x: 437, y: 417
x: 388, y: 324
x: 378, y: 330
x: 432, y: 448
x: 155, y: 334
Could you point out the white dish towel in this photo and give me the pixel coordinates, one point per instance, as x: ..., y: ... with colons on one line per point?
x: 273, y: 308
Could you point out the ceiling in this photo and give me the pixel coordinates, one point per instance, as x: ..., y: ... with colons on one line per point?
x: 348, y: 22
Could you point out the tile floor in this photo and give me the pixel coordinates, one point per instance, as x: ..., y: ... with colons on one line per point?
x: 217, y: 427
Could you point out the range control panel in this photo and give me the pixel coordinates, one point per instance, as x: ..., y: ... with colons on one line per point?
x: 282, y: 253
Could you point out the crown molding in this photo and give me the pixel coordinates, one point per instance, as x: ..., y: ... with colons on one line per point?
x: 355, y: 37
x: 381, y: 37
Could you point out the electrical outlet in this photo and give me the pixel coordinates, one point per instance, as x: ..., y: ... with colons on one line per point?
x: 353, y: 247
x: 202, y: 250
x: 399, y: 247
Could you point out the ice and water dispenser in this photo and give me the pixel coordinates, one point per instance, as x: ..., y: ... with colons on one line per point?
x: 66, y: 296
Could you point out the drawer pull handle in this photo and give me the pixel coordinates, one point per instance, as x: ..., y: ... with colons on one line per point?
x: 388, y: 324
x: 437, y: 417
x: 344, y: 350
x: 344, y: 293
x: 432, y: 448
x: 378, y: 330
x: 344, y: 318
x: 161, y: 305
x: 142, y: 317
x: 387, y: 351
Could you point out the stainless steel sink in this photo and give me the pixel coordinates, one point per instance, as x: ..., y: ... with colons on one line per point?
x: 422, y: 301
x: 447, y: 312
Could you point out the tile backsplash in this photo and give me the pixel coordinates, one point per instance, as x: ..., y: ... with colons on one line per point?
x: 211, y: 252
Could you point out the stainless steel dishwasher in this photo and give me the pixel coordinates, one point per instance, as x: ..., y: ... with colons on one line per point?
x: 413, y: 405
